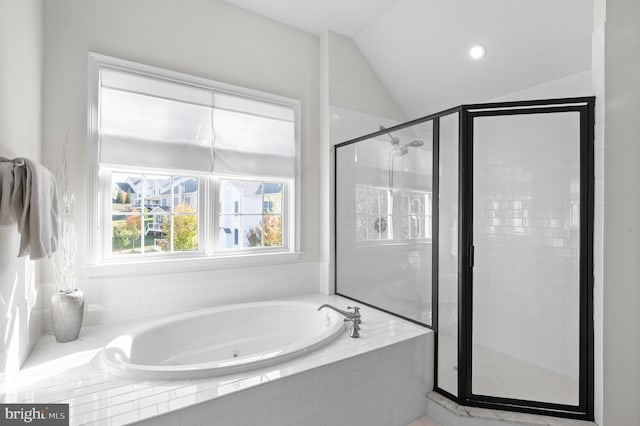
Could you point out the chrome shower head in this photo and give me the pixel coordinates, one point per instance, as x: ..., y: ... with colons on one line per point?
x: 404, y: 149
x: 415, y: 144
x: 395, y: 141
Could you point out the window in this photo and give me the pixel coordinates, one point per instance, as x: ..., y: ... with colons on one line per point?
x: 373, y: 214
x: 188, y: 166
x: 147, y: 222
x: 383, y: 214
x: 416, y: 214
x: 252, y: 209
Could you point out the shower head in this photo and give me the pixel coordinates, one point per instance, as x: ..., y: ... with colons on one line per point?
x: 415, y: 143
x: 395, y: 141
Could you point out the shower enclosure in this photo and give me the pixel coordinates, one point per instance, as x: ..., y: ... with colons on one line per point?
x: 477, y: 222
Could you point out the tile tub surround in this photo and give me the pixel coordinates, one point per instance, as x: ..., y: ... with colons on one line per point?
x: 112, y: 299
x: 380, y: 378
x: 449, y: 413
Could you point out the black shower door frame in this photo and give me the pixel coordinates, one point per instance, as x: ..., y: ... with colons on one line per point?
x: 585, y: 107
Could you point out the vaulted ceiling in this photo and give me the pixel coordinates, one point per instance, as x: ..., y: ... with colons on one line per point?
x: 419, y: 48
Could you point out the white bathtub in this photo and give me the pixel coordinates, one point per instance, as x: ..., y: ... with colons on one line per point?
x: 221, y: 340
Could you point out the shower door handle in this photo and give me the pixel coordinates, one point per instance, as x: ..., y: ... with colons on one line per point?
x: 471, y: 256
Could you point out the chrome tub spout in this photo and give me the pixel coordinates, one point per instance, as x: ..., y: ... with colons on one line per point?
x: 353, y: 317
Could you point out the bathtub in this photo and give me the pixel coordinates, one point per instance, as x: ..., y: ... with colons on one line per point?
x: 221, y: 340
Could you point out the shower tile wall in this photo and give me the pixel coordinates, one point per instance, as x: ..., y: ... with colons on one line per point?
x: 112, y: 299
x: 526, y: 233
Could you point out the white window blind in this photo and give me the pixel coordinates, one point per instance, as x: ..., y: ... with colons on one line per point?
x: 253, y: 137
x: 157, y: 123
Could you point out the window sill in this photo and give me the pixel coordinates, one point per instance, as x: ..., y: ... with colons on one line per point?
x: 164, y: 265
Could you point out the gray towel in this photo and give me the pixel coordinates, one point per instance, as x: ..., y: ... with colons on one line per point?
x: 28, y: 197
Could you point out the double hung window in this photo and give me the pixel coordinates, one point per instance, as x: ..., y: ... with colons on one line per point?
x: 186, y: 166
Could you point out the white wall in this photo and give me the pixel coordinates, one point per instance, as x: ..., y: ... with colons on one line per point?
x: 575, y: 85
x: 353, y: 84
x: 621, y: 316
x: 206, y: 38
x: 21, y: 47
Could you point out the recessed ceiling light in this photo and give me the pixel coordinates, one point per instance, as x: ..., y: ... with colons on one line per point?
x: 477, y: 51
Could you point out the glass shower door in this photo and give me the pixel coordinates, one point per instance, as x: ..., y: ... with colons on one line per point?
x: 526, y: 286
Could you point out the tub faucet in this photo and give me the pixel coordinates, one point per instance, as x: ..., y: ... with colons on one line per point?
x: 353, y: 317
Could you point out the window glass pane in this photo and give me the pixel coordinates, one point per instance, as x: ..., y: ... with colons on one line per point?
x: 251, y: 214
x: 122, y: 237
x: 272, y: 198
x: 252, y: 197
x: 124, y: 192
x: 125, y: 231
x: 155, y: 191
x: 185, y: 232
x: 229, y: 231
x: 185, y: 194
x: 229, y: 196
x: 361, y: 200
x: 170, y: 208
x: 156, y: 227
x: 378, y: 227
x: 272, y: 226
x: 375, y: 202
x: 252, y: 230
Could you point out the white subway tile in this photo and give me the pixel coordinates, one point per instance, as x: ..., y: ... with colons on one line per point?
x: 236, y: 401
x: 325, y: 403
x: 313, y: 392
x: 199, y: 413
x: 230, y: 419
x: 253, y: 414
x: 284, y: 402
x: 336, y: 384
x: 295, y: 415
x: 269, y: 390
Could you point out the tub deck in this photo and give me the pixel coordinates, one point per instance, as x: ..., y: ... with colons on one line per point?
x: 70, y: 373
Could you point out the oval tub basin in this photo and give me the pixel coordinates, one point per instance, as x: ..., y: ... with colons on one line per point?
x: 222, y: 340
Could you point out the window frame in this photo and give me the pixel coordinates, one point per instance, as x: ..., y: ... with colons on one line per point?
x: 286, y: 214
x: 107, y: 226
x: 99, y: 181
x: 394, y: 197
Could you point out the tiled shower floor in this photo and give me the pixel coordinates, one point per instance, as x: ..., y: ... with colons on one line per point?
x: 498, y: 374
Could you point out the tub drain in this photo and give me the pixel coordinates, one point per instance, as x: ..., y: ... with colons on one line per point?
x: 236, y: 354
